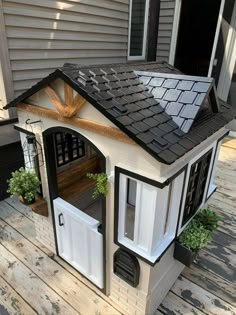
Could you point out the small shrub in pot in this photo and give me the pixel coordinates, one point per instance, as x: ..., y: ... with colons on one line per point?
x: 195, y: 236
x: 24, y: 183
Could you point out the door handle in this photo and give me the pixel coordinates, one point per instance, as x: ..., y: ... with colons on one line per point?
x: 59, y: 219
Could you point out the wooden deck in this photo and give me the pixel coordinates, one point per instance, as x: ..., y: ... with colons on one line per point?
x: 34, y: 281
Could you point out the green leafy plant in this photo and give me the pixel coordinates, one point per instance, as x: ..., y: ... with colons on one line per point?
x: 208, y: 218
x: 101, y: 183
x: 23, y: 183
x: 194, y: 236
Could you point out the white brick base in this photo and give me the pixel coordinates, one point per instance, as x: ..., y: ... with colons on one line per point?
x: 132, y: 300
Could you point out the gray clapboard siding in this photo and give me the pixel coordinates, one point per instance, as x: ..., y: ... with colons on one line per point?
x: 166, y: 18
x: 43, y: 35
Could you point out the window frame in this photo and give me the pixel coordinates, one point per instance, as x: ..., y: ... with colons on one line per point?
x: 212, y: 148
x: 145, y: 30
x: 166, y: 195
x: 70, y: 149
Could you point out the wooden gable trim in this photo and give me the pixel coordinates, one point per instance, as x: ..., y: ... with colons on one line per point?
x: 70, y: 106
x: 104, y: 130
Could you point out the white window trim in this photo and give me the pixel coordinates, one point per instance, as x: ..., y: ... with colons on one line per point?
x: 213, y: 148
x: 143, y: 56
x: 157, y: 241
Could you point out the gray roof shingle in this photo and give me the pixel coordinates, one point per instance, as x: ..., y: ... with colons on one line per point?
x: 153, y: 103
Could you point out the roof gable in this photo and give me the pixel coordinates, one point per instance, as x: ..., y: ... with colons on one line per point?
x: 184, y: 98
x: 140, y: 103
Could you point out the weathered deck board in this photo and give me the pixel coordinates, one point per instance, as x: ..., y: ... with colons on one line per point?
x: 221, y: 253
x: 55, y: 277
x: 11, y: 302
x: 220, y: 268
x: 202, y: 299
x: 174, y: 304
x: 25, y: 227
x: 42, y: 298
x: 211, y: 282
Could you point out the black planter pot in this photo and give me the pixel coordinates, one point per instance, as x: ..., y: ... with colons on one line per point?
x: 184, y: 254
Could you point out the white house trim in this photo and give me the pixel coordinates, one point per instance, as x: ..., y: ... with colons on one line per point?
x: 143, y: 56
x: 213, y: 52
x: 175, y: 30
x: 229, y: 60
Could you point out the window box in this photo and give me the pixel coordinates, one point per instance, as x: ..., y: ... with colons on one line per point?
x: 184, y: 254
x: 39, y: 206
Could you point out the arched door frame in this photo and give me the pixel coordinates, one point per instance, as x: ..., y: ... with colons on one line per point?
x: 52, y: 181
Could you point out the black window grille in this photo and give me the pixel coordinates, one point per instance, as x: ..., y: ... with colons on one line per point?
x: 68, y: 148
x: 196, y: 186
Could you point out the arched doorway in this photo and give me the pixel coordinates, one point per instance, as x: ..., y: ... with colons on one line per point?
x: 79, y: 219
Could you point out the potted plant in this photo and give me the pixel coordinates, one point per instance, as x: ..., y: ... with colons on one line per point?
x: 101, y: 184
x: 24, y: 184
x: 195, y: 236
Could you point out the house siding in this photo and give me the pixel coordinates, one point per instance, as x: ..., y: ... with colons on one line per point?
x: 42, y: 35
x: 166, y: 18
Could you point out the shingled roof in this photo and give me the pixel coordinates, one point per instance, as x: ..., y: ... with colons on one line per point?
x: 165, y: 112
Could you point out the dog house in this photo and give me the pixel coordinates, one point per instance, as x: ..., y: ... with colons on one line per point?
x: 156, y: 133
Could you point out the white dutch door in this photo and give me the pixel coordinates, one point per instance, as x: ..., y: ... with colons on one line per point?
x: 79, y: 241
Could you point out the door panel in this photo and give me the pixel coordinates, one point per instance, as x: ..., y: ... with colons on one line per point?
x: 79, y: 241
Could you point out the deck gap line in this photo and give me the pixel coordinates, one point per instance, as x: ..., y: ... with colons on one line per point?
x: 206, y: 289
x: 19, y: 294
x: 194, y: 307
x: 52, y: 258
x: 47, y: 284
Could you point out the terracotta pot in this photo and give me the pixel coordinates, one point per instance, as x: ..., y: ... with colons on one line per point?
x: 184, y: 254
x: 25, y: 202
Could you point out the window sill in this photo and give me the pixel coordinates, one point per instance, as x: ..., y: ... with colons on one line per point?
x: 150, y: 259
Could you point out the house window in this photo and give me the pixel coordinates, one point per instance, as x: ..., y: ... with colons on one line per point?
x: 196, y: 186
x: 138, y: 29
x: 68, y: 148
x: 130, y: 208
x: 145, y: 214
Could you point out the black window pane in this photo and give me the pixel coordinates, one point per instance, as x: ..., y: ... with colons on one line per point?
x: 137, y: 27
x: 68, y: 148
x: 196, y: 186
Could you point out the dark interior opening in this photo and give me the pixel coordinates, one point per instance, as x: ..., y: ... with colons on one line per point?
x: 197, y: 28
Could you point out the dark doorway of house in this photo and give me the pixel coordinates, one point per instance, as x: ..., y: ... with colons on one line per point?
x: 197, y: 29
x: 74, y: 158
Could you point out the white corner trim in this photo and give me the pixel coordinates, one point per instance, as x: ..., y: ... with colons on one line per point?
x: 111, y: 177
x: 175, y: 30
x: 228, y: 64
x: 218, y: 26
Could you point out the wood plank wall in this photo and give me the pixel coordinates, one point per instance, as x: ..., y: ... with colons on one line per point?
x: 42, y: 35
x: 166, y: 18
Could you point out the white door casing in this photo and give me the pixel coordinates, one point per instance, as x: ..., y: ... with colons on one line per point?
x: 79, y: 241
x: 229, y: 60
